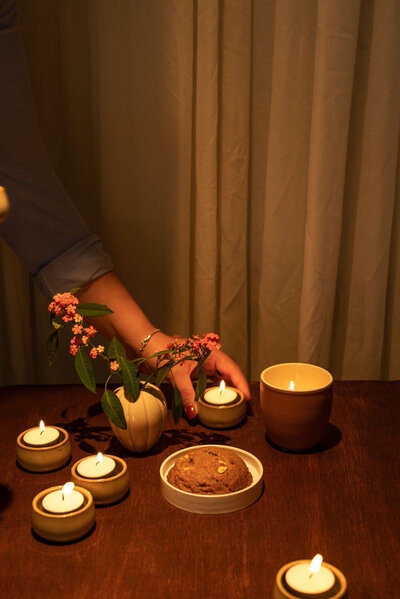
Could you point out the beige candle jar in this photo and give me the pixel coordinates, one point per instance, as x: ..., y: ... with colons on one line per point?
x: 108, y: 489
x: 283, y: 591
x: 296, y: 401
x: 222, y: 416
x: 62, y: 528
x: 44, y: 458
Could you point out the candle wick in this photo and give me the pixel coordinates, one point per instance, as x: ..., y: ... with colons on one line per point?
x: 98, y: 462
x: 311, y: 575
x: 62, y: 496
x: 41, y: 431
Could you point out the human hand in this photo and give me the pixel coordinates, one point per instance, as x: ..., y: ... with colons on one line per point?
x: 217, y: 366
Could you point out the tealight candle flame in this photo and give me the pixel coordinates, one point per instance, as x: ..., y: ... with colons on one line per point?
x: 222, y: 387
x: 41, y: 427
x: 99, y: 458
x: 315, y: 564
x: 67, y: 489
x: 291, y: 385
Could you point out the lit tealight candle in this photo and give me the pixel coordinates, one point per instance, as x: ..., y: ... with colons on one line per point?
x: 310, y: 578
x: 41, y: 435
x: 64, y: 500
x: 96, y: 466
x: 220, y: 395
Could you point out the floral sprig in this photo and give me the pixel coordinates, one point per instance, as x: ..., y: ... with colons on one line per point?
x: 66, y: 311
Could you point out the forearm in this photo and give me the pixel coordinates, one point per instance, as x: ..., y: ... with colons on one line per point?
x: 128, y: 322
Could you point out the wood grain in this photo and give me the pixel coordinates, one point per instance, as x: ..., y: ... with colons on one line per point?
x: 341, y: 500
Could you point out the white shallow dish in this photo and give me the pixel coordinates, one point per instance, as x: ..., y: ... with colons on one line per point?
x: 213, y: 504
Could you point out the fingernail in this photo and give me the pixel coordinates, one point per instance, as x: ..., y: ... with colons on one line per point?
x: 190, y: 411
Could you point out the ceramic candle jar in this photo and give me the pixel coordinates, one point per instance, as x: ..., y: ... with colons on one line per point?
x: 331, y: 584
x: 296, y: 404
x: 62, y: 524
x: 52, y: 454
x: 106, y: 489
x: 224, y: 409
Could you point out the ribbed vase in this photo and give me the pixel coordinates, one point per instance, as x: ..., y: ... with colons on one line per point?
x: 145, y: 419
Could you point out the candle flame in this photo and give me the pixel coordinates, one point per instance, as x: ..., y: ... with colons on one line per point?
x: 41, y: 426
x: 315, y: 564
x: 222, y: 387
x: 291, y: 385
x: 67, y: 489
x: 99, y: 458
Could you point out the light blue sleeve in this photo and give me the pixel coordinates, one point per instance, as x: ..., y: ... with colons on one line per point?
x: 44, y: 228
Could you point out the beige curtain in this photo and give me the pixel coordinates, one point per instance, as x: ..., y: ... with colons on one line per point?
x: 239, y: 159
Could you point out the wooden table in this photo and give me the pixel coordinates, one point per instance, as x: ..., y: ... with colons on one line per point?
x: 342, y: 501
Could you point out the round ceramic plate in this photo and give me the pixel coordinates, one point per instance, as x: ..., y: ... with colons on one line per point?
x: 213, y: 504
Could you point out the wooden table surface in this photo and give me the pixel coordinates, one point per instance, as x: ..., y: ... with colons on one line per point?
x: 342, y: 501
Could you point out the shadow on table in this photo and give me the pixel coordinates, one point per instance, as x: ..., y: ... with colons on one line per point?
x: 18, y: 465
x: 89, y: 435
x: 84, y: 432
x: 170, y: 438
x: 331, y: 439
x: 54, y: 543
x: 6, y: 496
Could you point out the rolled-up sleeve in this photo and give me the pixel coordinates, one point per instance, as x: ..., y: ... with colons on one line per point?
x: 44, y: 228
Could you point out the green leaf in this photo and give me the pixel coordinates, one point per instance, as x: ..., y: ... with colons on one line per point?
x: 74, y: 290
x: 162, y: 352
x: 177, y: 405
x: 56, y: 325
x: 52, y: 347
x: 83, y: 367
x: 199, y: 367
x: 162, y: 374
x: 93, y: 310
x: 201, y: 385
x: 116, y: 350
x: 113, y: 409
x: 130, y: 377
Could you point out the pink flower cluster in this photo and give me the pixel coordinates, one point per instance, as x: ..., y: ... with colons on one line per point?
x: 85, y: 334
x: 64, y: 305
x: 197, y: 345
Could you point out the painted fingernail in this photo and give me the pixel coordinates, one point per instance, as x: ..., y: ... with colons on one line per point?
x: 190, y: 411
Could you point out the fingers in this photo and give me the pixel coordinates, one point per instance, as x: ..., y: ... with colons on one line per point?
x: 220, y: 365
x: 182, y: 379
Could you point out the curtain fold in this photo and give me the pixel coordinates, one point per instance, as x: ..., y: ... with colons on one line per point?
x: 335, y: 51
x: 239, y: 160
x: 205, y: 153
x: 366, y: 289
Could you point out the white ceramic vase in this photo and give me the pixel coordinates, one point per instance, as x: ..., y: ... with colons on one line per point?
x: 145, y: 419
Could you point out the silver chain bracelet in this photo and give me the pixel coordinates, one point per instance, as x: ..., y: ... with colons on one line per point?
x: 146, y: 340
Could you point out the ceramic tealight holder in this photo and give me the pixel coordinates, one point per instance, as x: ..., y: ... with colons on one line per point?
x: 44, y: 458
x: 282, y: 589
x: 296, y: 402
x: 62, y: 527
x: 106, y: 489
x: 218, y: 415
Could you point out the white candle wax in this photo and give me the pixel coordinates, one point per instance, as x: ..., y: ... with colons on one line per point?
x: 299, y: 578
x: 218, y: 396
x: 96, y: 467
x: 62, y: 502
x: 42, y: 435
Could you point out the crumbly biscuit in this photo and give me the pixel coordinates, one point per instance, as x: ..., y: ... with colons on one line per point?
x: 210, y: 471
